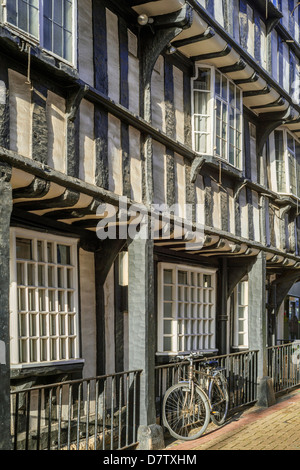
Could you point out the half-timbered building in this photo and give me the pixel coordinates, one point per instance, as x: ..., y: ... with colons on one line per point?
x: 111, y: 113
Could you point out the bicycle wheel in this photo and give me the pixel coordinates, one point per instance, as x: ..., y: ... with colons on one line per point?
x: 219, y: 399
x: 186, y: 414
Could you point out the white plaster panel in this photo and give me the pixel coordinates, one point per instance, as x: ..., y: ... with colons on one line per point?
x: 85, y: 41
x: 87, y: 142
x: 158, y: 103
x: 244, y: 213
x: 113, y: 59
x: 178, y: 102
x: 231, y: 211
x: 135, y: 165
x: 159, y: 173
x: 88, y: 312
x: 133, y: 74
x: 180, y: 193
x: 56, y: 122
x: 20, y: 114
x: 114, y: 156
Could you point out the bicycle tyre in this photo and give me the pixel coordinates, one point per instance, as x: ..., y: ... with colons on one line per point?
x: 219, y: 412
x: 178, y: 419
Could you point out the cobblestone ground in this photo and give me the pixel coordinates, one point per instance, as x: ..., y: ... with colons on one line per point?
x: 273, y: 428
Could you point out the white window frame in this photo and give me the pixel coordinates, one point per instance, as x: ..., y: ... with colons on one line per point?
x: 203, y: 340
x: 14, y: 313
x: 38, y: 41
x: 286, y: 167
x: 237, y: 331
x: 212, y: 116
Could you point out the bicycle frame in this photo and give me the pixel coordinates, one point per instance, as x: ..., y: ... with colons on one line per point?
x: 209, y: 376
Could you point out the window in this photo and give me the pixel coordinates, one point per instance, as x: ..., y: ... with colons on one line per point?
x: 285, y: 162
x: 186, y: 309
x: 217, y: 116
x: 47, y: 22
x: 44, y: 320
x: 240, y: 328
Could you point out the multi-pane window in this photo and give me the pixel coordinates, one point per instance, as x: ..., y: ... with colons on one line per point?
x: 44, y: 299
x: 285, y: 161
x: 186, y: 308
x: 217, y: 116
x: 50, y: 23
x: 241, y: 315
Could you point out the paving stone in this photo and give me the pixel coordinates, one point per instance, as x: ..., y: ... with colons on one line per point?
x: 273, y: 428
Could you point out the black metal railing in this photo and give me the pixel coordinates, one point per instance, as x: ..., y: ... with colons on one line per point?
x: 284, y: 366
x: 240, y: 371
x: 99, y: 413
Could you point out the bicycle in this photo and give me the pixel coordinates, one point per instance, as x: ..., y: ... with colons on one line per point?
x: 189, y: 405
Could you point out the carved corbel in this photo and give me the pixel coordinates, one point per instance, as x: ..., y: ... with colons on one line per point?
x: 268, y: 123
x: 74, y: 101
x: 153, y: 41
x: 197, y: 164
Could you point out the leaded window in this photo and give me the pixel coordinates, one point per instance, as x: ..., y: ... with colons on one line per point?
x: 49, y: 23
x: 186, y: 308
x: 217, y: 116
x: 44, y: 301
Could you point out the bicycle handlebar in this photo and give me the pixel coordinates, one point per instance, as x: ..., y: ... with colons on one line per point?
x: 190, y: 355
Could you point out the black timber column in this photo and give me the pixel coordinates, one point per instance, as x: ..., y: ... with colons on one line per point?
x: 5, y: 214
x: 142, y: 323
x: 105, y: 256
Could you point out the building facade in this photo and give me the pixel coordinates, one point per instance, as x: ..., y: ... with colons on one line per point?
x: 149, y: 184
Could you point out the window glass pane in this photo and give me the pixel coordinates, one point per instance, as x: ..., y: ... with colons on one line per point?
x: 218, y: 84
x: 201, y: 143
x: 280, y: 164
x: 231, y: 94
x: 68, y: 15
x: 167, y: 309
x: 167, y: 276
x: 203, y: 80
x: 24, y: 248
x: 167, y: 343
x: 201, y: 124
x: 58, y: 11
x: 200, y: 102
x: 292, y: 173
x: 58, y: 26
x: 11, y: 7
x: 24, y: 14
x: 47, y: 34
x: 224, y: 87
x: 63, y: 254
x: 182, y: 277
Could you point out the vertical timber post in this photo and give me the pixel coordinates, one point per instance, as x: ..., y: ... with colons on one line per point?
x: 5, y: 215
x: 142, y: 326
x: 258, y: 328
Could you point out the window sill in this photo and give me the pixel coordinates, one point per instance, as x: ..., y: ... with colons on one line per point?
x: 44, y: 369
x: 166, y: 358
x: 13, y: 42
